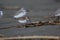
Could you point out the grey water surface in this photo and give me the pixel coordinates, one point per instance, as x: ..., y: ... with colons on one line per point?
x: 38, y: 9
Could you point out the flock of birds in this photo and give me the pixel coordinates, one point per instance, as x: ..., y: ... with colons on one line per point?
x: 21, y: 15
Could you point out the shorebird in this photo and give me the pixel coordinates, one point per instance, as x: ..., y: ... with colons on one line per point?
x: 22, y: 13
x: 57, y: 12
x: 1, y: 10
x: 1, y: 14
x: 56, y: 15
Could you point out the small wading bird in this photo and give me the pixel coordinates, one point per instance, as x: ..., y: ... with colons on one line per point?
x: 1, y: 13
x: 21, y: 15
x: 1, y: 10
x: 56, y: 15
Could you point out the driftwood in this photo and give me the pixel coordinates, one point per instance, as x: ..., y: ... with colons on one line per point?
x: 40, y: 23
x: 35, y: 24
x: 31, y: 37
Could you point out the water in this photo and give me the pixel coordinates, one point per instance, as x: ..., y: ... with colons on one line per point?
x: 52, y: 30
x: 37, y: 12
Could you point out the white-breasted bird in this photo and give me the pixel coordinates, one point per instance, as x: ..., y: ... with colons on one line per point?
x: 57, y: 12
x: 25, y: 21
x: 1, y: 10
x: 22, y: 13
x: 1, y: 14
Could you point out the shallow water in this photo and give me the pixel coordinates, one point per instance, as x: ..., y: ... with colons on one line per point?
x: 37, y: 12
